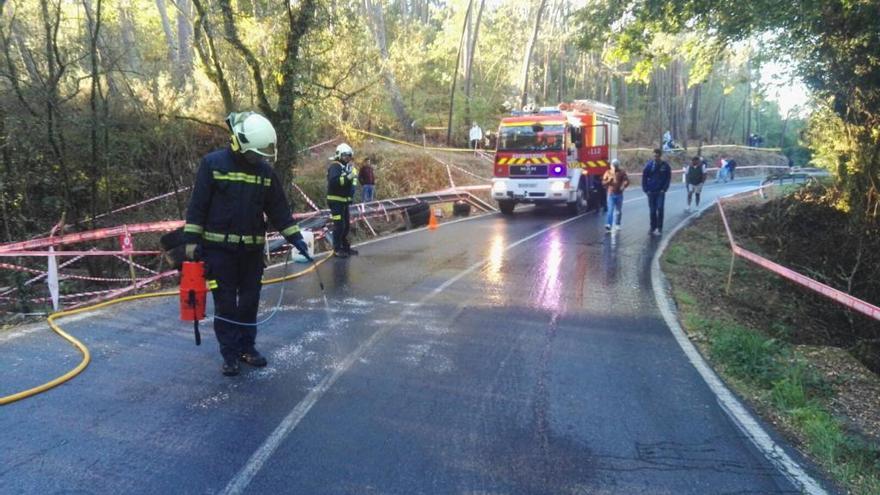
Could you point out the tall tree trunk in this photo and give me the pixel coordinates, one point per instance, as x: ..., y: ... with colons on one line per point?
x: 469, y: 63
x: 184, y: 63
x: 546, y: 83
x: 6, y: 153
x: 94, y: 29
x: 170, y: 46
x: 467, y: 16
x: 527, y: 57
x: 210, y: 57
x: 299, y: 24
x: 376, y: 18
x: 695, y: 110
x: 748, y: 127
x: 129, y: 39
x: 716, y: 120
x: 681, y: 99
x: 55, y: 71
x: 26, y: 55
x: 560, y: 86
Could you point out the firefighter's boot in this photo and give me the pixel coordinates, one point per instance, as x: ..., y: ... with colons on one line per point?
x: 253, y: 358
x: 230, y: 367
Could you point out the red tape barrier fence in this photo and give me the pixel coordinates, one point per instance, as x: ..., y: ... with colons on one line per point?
x: 851, y: 302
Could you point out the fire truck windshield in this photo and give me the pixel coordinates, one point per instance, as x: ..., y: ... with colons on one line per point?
x: 531, y: 137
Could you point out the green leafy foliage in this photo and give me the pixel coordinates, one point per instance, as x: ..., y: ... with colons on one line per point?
x: 833, y: 45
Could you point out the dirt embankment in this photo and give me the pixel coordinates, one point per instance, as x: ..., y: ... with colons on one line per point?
x: 400, y: 170
x: 808, y: 232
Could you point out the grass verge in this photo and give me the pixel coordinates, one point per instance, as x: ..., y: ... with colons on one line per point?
x: 754, y: 356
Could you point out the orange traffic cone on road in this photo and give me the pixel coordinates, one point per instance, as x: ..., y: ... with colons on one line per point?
x: 432, y: 221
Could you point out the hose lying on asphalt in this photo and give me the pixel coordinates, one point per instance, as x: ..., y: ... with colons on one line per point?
x: 86, y: 356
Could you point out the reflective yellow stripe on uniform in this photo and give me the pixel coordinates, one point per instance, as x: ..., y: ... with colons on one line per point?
x: 335, y: 217
x: 293, y: 229
x: 344, y: 199
x: 242, y: 177
x: 193, y: 228
x: 233, y: 238
x: 212, y: 284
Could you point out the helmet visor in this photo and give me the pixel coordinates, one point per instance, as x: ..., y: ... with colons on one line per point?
x: 269, y: 151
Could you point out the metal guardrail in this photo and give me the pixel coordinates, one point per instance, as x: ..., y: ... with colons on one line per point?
x: 799, y: 175
x: 319, y: 221
x: 40, y: 249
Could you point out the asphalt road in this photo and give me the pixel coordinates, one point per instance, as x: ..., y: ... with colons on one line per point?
x: 497, y: 355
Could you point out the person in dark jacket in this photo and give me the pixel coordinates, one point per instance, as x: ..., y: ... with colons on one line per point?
x: 342, y: 178
x: 694, y: 178
x: 655, y: 182
x: 225, y: 227
x: 367, y: 179
x: 731, y: 168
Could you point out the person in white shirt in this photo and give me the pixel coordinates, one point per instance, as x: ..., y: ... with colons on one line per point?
x: 475, y: 136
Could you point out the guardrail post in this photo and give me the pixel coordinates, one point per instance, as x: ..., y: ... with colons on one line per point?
x: 730, y: 273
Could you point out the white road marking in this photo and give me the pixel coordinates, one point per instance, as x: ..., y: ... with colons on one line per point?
x: 246, y: 474
x: 729, y: 403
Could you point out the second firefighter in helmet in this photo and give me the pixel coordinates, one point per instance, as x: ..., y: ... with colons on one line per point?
x: 234, y: 191
x: 342, y: 180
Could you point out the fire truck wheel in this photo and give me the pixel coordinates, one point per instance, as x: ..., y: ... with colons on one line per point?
x: 506, y: 207
x: 579, y: 206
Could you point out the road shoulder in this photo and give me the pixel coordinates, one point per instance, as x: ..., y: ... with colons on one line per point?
x: 742, y: 417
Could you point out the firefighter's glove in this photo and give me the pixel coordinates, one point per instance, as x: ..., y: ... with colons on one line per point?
x: 302, y: 247
x: 193, y: 252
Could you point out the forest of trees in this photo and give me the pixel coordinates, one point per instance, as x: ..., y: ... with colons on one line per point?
x: 105, y: 102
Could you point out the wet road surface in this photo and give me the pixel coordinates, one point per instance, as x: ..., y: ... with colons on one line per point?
x: 520, y: 355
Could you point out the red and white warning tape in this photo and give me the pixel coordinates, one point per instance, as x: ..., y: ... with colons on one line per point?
x: 76, y: 253
x: 841, y: 297
x: 306, y: 197
x: 131, y: 262
x: 91, y: 235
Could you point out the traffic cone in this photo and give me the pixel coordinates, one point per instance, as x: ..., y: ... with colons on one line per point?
x: 432, y: 221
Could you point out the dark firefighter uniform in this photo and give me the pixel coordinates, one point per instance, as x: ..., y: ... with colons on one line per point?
x: 226, y: 217
x: 341, y: 182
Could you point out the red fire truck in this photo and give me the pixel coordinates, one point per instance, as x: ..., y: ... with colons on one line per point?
x: 555, y: 155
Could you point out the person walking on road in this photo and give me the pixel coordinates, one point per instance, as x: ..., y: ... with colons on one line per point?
x: 723, y: 171
x: 342, y: 178
x: 367, y: 179
x: 655, y: 182
x: 475, y: 136
x: 731, y: 168
x: 695, y: 177
x: 225, y: 226
x: 615, y: 181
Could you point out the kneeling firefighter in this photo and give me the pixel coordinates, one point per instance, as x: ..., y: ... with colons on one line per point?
x: 342, y: 178
x: 226, y: 227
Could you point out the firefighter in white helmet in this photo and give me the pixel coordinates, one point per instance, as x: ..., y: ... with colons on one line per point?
x: 342, y: 179
x: 226, y: 227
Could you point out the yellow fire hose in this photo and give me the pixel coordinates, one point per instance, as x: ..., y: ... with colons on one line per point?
x: 86, y: 356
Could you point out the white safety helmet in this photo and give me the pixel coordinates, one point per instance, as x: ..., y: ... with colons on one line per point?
x: 344, y: 149
x: 252, y: 132
x: 615, y: 163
